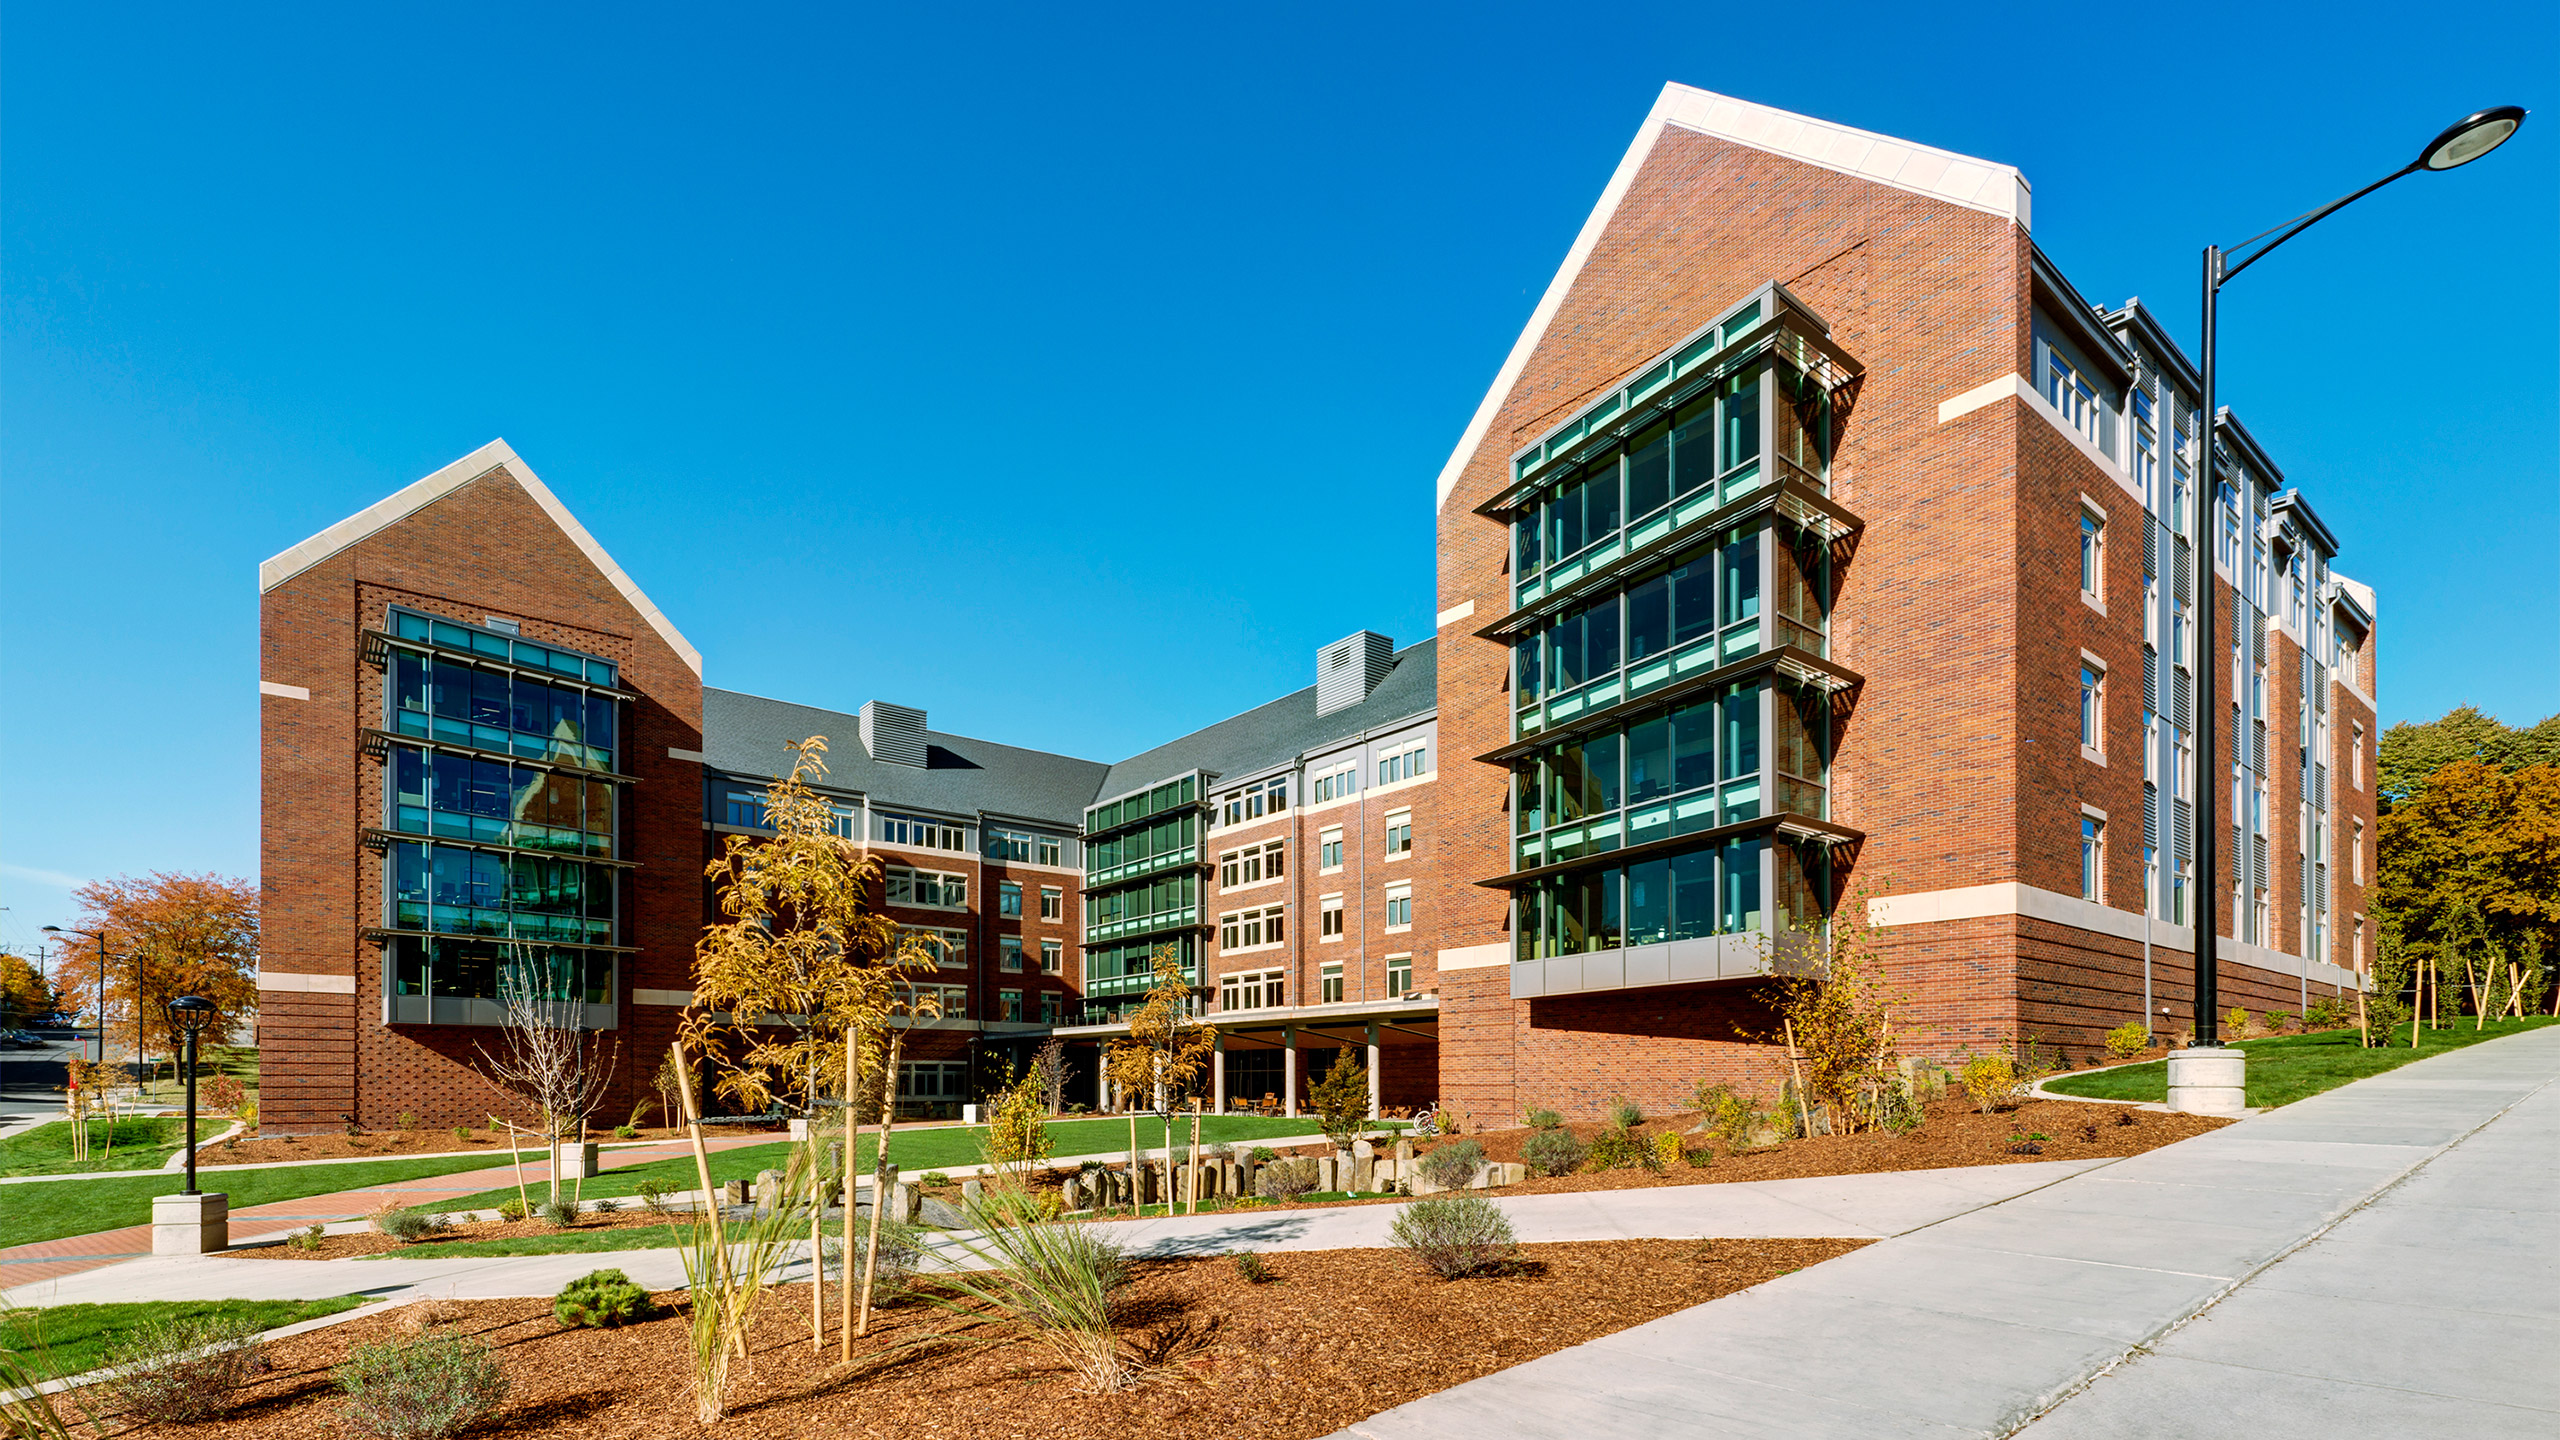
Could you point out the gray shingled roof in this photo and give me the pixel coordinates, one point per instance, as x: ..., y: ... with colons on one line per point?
x: 745, y: 735
x: 1288, y: 727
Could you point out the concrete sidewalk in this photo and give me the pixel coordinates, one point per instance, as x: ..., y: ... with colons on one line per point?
x: 1975, y: 1326
x: 1845, y: 1205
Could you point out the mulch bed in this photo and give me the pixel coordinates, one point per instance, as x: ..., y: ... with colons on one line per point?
x: 1955, y: 1133
x: 1337, y: 1336
x: 342, y: 1247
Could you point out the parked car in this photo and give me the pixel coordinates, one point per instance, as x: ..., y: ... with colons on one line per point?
x: 21, y: 1039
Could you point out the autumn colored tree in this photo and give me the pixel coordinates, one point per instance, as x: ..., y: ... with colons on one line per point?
x: 2411, y: 753
x: 167, y: 935
x: 27, y: 997
x: 1838, y: 1021
x: 2474, y: 837
x: 1161, y: 1060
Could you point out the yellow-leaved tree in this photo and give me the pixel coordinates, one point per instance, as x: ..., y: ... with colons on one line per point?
x: 1167, y: 1047
x: 797, y: 990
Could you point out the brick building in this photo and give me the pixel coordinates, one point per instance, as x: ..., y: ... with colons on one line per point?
x: 1817, y: 544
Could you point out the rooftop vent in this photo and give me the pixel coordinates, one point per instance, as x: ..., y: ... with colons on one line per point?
x: 1348, y: 670
x: 894, y: 734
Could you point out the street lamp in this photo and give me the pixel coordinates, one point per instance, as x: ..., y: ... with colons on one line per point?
x: 2458, y: 144
x: 100, y: 937
x: 188, y: 1016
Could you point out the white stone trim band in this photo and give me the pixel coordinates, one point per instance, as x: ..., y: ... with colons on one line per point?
x: 1475, y: 957
x: 304, y: 983
x: 676, y: 998
x: 1979, y: 902
x: 283, y: 692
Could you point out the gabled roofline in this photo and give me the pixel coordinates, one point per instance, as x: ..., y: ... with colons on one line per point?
x: 2082, y: 317
x: 2356, y: 599
x: 2246, y: 446
x: 409, y: 500
x: 1983, y: 185
x: 2291, y: 503
x: 2139, y: 317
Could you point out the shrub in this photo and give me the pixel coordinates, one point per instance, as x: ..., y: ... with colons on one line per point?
x: 1730, y: 1116
x: 936, y: 1177
x: 1617, y: 1149
x: 653, y: 1195
x: 182, y: 1370
x: 1700, y: 1158
x: 408, y: 1120
x: 1341, y: 1099
x: 2276, y: 1021
x: 462, y: 1133
x: 1992, y: 1080
x: 606, y: 1206
x: 1456, y: 1235
x: 511, y: 1210
x: 1250, y: 1268
x: 1553, y: 1152
x: 408, y: 1226
x: 1286, y: 1179
x: 558, y: 1214
x: 1666, y: 1150
x: 601, y: 1299
x: 1624, y: 1113
x: 1544, y: 1119
x: 2128, y: 1040
x: 626, y: 1132
x: 1452, y: 1165
x: 1264, y: 1155
x: 2324, y: 1013
x: 308, y: 1238
x: 2237, y: 1022
x: 423, y: 1387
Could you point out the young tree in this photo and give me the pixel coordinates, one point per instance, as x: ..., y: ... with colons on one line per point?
x: 547, y: 1060
x: 1167, y: 1047
x: 167, y: 935
x: 1049, y: 1068
x: 1341, y: 1099
x: 1838, y: 1022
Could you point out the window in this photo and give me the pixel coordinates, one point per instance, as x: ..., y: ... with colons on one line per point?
x: 1009, y: 948
x: 2093, y: 857
x: 1399, y: 833
x: 2182, y: 629
x: 1049, y: 1007
x: 2146, y: 453
x: 1329, y: 983
x: 1251, y: 865
x: 1049, y: 848
x: 2093, y: 717
x: 2227, y: 506
x: 1399, y: 908
x: 2258, y: 808
x: 950, y: 947
x: 1052, y: 957
x: 1009, y: 900
x: 1009, y: 1005
x: 1053, y: 904
x: 2178, y: 894
x: 1267, y: 797
x: 2151, y: 613
x: 2093, y: 555
x: 929, y: 888
x: 1339, y: 783
x: 1254, y: 990
x: 2150, y: 747
x: 2260, y: 919
x: 1251, y: 929
x: 1405, y: 764
x: 455, y: 891
x: 2358, y: 941
x: 2083, y: 406
x: 2182, y: 485
x: 2150, y: 880
x: 1399, y: 975
x: 1329, y: 851
x: 1008, y: 845
x: 2355, y: 853
x: 951, y: 1002
x: 2182, y: 778
x: 912, y: 833
x: 930, y: 1081
x: 1329, y: 919
x: 2355, y: 758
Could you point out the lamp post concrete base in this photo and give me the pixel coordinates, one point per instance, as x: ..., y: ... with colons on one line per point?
x: 190, y: 1224
x: 578, y: 1162
x: 2209, y: 1081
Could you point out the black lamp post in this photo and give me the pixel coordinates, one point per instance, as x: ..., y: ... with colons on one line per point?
x: 101, y: 938
x: 188, y: 1016
x: 2460, y: 143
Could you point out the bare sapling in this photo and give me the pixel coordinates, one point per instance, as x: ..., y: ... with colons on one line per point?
x: 1164, y: 1053
x: 547, y: 1060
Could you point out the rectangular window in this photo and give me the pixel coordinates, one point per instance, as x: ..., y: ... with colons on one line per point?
x: 1253, y: 990
x: 1010, y: 1002
x: 1399, y: 833
x: 1329, y: 851
x: 1009, y: 948
x: 913, y: 833
x: 2150, y: 747
x: 1251, y: 929
x: 1405, y: 764
x: 2150, y: 880
x: 1329, y: 918
x: 1049, y: 1007
x: 2092, y: 709
x: 1265, y: 797
x: 1399, y: 909
x: 1053, y: 904
x: 744, y: 809
x: 1251, y: 865
x: 950, y: 948
x: 2083, y: 407
x: 1329, y: 982
x: 1052, y: 957
x: 929, y: 888
x: 2093, y: 555
x: 2355, y: 870
x: 1340, y: 783
x: 1399, y: 976
x: 933, y: 1081
x: 2093, y: 858
x: 1048, y: 848
x: 1009, y: 900
x: 2355, y: 758
x: 2146, y: 452
x: 2182, y: 629
x: 1008, y: 845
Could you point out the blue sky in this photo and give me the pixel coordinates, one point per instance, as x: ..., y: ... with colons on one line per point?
x: 892, y: 352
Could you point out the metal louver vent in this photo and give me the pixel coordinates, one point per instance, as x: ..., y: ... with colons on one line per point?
x: 2320, y: 772
x: 2151, y: 815
x: 893, y: 734
x: 2186, y: 570
x: 2320, y: 890
x: 2186, y: 698
x: 2257, y: 637
x: 2151, y: 549
x: 2258, y: 746
x: 2183, y: 830
x: 2258, y: 866
x: 1349, y: 668
x: 2151, y: 676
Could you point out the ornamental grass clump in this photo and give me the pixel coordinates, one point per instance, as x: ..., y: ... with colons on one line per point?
x: 1625, y: 1113
x: 1286, y: 1179
x: 422, y: 1387
x: 1453, y: 1165
x: 558, y: 1214
x: 408, y: 1226
x: 602, y: 1299
x: 1540, y: 1119
x: 1553, y: 1152
x: 181, y: 1371
x: 1457, y: 1236
x: 1057, y: 1281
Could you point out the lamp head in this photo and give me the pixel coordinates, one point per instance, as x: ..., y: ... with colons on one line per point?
x: 191, y: 1013
x: 2471, y: 137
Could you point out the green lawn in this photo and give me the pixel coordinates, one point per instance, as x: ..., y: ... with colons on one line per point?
x: 51, y: 1209
x: 915, y: 1151
x: 565, y: 1242
x: 2283, y: 1069
x: 72, y: 1339
x: 140, y: 1144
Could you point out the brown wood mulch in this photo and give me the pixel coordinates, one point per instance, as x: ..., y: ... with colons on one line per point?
x: 345, y: 1247
x: 1338, y: 1335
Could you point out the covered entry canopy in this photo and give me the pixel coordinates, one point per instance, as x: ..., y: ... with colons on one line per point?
x: 1250, y: 1039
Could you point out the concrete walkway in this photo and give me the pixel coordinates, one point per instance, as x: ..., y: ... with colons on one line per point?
x: 1861, y: 1206
x: 1977, y: 1325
